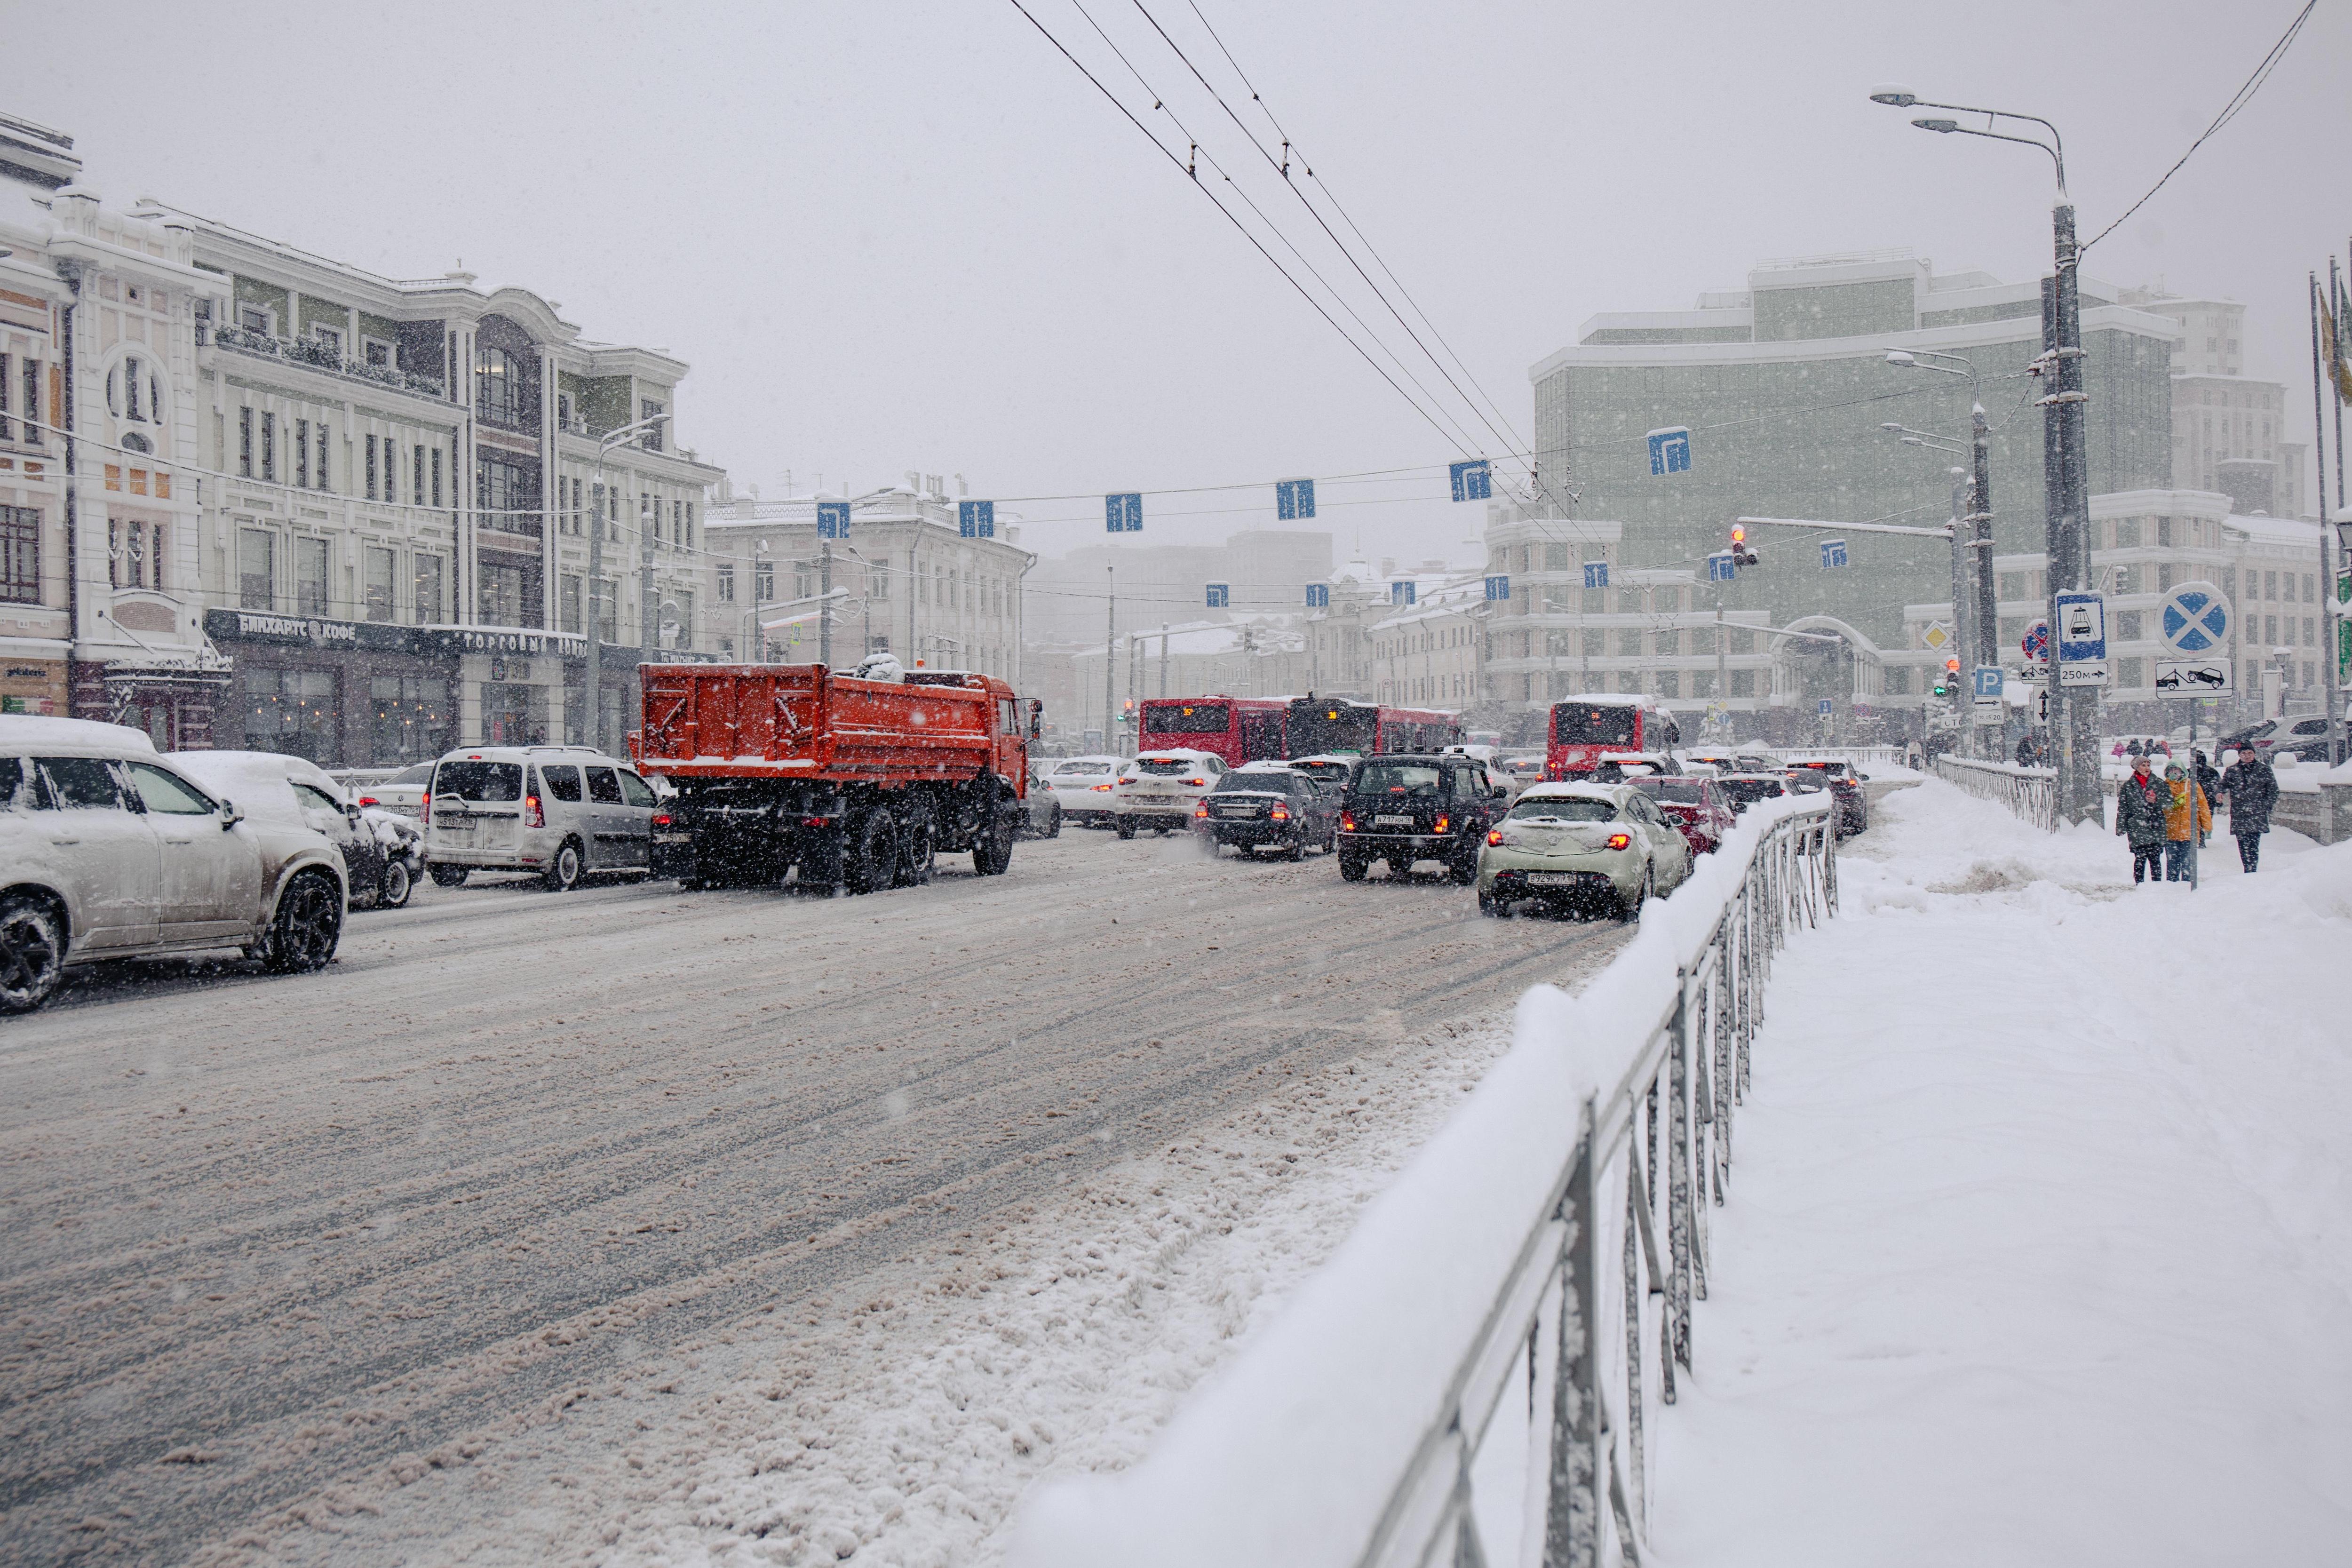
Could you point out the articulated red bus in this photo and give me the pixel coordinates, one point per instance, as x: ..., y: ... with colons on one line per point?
x: 1584, y: 729
x: 1238, y: 729
x: 1321, y: 724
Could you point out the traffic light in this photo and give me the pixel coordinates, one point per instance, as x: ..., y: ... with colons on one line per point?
x: 1741, y: 555
x: 1947, y: 684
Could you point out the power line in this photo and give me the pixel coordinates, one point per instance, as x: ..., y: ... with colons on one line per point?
x: 1242, y: 228
x: 2230, y: 111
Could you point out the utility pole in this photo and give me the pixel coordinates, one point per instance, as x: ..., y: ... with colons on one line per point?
x: 2331, y: 685
x: 1110, y: 642
x: 2065, y: 456
x: 609, y: 514
x: 824, y: 604
x: 1163, y: 658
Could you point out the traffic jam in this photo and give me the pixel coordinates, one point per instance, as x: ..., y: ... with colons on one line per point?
x: 799, y: 776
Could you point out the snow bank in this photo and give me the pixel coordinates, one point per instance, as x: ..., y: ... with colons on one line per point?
x: 1290, y: 1454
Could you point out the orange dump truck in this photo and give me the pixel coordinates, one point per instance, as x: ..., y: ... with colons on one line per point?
x: 855, y: 785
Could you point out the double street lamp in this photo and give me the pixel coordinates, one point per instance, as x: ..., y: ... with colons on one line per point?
x: 2074, y: 710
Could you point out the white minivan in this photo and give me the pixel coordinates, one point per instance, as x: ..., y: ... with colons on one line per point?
x: 565, y: 812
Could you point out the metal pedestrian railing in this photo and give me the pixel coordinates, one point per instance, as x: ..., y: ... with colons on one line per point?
x: 1542, y: 1444
x: 2031, y: 792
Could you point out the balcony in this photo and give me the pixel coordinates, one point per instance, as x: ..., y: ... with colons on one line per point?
x: 314, y: 355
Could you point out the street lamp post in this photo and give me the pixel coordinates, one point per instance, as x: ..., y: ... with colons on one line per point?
x: 2074, y: 710
x: 1972, y: 645
x: 1979, y: 517
x: 596, y: 577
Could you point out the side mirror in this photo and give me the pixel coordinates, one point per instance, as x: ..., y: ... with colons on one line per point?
x: 231, y: 814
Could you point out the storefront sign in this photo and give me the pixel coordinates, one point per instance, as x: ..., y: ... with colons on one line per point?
x: 505, y: 640
x: 307, y: 631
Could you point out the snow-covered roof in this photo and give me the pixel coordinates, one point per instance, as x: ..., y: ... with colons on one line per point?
x: 2291, y: 531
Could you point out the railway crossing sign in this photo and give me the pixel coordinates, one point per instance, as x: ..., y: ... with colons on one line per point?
x: 2194, y: 620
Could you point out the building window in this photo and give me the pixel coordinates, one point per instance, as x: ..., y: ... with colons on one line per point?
x: 245, y: 443
x: 257, y: 320
x: 257, y: 569
x: 652, y: 439
x: 425, y: 578
x: 506, y: 594
x: 329, y: 339
x: 134, y: 393
x: 763, y: 582
x: 507, y: 492
x: 687, y: 538
x: 390, y: 470
x: 269, y: 449
x: 134, y: 553
x: 608, y: 610
x: 291, y: 711
x: 409, y: 720
x: 301, y: 454
x: 318, y: 455
x: 1743, y: 683
x: 20, y: 556
x: 499, y: 391
x: 727, y: 583
x: 310, y: 577
x: 378, y: 353
x: 649, y: 520
x: 380, y: 568
x: 567, y: 604
x: 436, y: 476
x: 678, y: 629
x: 371, y: 468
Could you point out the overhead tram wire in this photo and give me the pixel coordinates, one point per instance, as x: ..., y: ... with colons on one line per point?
x: 1244, y: 229
x: 1281, y: 168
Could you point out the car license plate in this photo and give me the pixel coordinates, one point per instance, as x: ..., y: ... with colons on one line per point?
x: 672, y: 838
x: 1393, y: 822
x: 1551, y: 878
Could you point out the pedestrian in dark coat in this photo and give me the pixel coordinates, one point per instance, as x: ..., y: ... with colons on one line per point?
x: 2252, y: 789
x: 2140, y: 805
x: 2206, y: 777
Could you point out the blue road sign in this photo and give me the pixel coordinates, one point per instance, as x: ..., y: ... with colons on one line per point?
x: 1596, y: 574
x: 1825, y: 708
x: 976, y: 519
x: 2036, y: 641
x: 1832, y: 554
x: 2082, y: 628
x: 1220, y: 595
x: 1403, y: 592
x: 1498, y: 587
x: 833, y: 519
x: 1318, y: 596
x: 1473, y: 482
x: 1669, y: 451
x: 1988, y: 682
x: 1123, y: 513
x: 1721, y: 568
x: 2195, y: 618
x: 1294, y: 499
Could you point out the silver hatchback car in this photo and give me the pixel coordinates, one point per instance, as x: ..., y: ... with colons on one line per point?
x: 108, y: 851
x: 565, y: 812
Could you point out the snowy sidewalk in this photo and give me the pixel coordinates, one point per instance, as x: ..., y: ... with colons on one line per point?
x: 2040, y: 1242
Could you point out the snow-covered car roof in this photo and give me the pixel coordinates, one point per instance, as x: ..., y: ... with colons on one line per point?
x: 1612, y: 792
x: 1344, y: 758
x: 80, y: 734
x: 1269, y: 765
x: 258, y: 780
x: 1172, y: 753
x: 1094, y: 760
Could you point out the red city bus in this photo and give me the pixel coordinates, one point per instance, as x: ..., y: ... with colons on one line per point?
x: 1584, y: 728
x: 1238, y: 729
x: 1317, y: 725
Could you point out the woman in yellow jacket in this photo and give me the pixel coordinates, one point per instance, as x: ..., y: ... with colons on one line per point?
x: 2186, y: 815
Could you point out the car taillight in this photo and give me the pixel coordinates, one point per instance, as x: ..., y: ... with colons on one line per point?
x: 1100, y: 787
x: 1442, y: 824
x: 1619, y: 840
x: 426, y: 803
x: 533, y: 816
x: 370, y: 800
x: 1346, y: 822
x: 1279, y: 814
x: 662, y: 819
x: 812, y: 822
x: 1200, y: 812
x: 1196, y: 784
x: 1495, y: 836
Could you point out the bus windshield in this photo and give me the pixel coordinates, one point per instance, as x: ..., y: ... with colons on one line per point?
x: 1585, y: 725
x: 1319, y: 726
x: 1187, y: 719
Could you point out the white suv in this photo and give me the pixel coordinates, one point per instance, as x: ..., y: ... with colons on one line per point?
x: 561, y: 811
x: 108, y: 851
x: 1159, y: 789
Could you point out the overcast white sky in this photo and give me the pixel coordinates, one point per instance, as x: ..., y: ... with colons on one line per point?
x: 909, y: 235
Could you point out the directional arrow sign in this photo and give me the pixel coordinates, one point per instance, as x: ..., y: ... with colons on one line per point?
x: 2195, y: 619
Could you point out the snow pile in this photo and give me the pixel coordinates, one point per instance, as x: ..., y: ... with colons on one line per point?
x: 2042, y: 1245
x: 1290, y: 1454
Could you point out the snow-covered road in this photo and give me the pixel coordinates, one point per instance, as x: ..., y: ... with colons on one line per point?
x: 268, y: 1242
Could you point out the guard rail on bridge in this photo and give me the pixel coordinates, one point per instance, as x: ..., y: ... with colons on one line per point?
x: 2031, y: 792
x: 1478, y: 1374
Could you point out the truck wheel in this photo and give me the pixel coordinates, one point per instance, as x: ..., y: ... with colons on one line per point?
x: 992, y: 851
x: 449, y: 876
x: 307, y: 927
x: 32, y: 954
x: 871, y: 859
x: 562, y: 873
x: 1351, y: 865
x: 1126, y: 828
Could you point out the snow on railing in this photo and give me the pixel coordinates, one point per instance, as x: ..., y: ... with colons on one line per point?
x: 1478, y: 1373
x: 2031, y: 792
x: 1858, y: 756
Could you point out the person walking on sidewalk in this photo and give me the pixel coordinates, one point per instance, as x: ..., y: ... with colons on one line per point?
x: 2207, y: 778
x: 2139, y: 819
x: 2188, y: 817
x: 2252, y: 789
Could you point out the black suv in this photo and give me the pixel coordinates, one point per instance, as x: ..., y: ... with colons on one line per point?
x: 1406, y: 806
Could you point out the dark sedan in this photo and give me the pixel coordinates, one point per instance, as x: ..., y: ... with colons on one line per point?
x: 1266, y: 806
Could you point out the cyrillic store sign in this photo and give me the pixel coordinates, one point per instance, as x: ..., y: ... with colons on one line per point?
x: 312, y: 631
